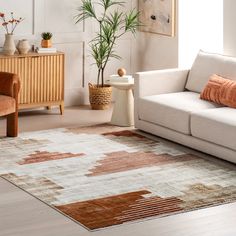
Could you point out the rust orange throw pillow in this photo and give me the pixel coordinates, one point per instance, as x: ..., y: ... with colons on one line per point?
x: 221, y: 91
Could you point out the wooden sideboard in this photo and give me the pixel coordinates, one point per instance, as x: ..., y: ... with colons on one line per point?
x: 41, y: 76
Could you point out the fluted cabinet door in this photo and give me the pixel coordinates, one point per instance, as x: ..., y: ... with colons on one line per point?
x: 42, y: 78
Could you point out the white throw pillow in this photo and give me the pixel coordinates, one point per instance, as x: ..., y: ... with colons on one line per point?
x: 207, y: 64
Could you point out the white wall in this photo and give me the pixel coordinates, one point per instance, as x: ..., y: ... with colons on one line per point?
x: 157, y: 51
x: 200, y: 27
x: 229, y: 27
x: 57, y: 16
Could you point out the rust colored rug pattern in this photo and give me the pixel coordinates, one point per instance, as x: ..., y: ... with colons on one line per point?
x: 103, y: 175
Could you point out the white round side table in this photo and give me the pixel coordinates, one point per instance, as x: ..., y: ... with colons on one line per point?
x: 123, y: 111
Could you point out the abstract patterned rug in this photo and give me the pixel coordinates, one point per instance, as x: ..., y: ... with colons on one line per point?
x: 104, y: 176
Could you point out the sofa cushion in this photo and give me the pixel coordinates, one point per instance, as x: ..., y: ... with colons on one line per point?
x: 207, y: 64
x: 172, y: 110
x: 215, y: 125
x: 7, y: 105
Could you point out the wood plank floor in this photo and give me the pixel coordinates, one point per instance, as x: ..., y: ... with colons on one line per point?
x: 23, y: 215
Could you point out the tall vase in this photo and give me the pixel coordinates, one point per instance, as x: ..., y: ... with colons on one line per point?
x: 9, y: 46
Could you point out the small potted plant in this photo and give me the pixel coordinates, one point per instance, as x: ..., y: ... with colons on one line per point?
x: 46, y: 40
x: 112, y: 25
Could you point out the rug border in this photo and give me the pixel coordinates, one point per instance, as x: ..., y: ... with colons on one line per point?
x: 51, y: 206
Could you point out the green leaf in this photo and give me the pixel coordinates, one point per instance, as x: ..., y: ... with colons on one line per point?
x: 131, y: 21
x: 87, y: 10
x: 115, y: 20
x: 107, y: 33
x: 108, y: 3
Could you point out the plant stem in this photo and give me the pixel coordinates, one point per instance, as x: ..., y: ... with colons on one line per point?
x: 12, y: 22
x: 108, y: 56
x: 103, y: 77
x: 98, y: 77
x: 101, y: 69
x: 13, y: 28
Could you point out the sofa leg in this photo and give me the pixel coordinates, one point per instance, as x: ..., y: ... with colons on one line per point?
x: 12, y: 125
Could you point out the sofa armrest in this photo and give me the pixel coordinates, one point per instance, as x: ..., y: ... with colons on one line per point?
x: 9, y: 84
x: 160, y: 82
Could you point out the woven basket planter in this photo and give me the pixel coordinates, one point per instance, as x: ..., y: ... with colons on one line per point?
x: 100, y: 97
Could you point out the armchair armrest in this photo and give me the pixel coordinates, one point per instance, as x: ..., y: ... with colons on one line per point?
x: 160, y: 82
x: 9, y: 84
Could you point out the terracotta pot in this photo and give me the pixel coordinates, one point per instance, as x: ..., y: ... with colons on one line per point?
x: 100, y: 97
x: 9, y: 46
x: 46, y: 43
x: 23, y: 46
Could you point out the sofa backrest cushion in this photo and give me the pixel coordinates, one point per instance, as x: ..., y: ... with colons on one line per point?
x: 207, y: 64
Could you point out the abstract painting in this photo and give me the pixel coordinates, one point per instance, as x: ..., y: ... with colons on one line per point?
x: 157, y: 16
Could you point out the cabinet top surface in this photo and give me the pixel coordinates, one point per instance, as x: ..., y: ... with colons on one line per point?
x: 31, y: 54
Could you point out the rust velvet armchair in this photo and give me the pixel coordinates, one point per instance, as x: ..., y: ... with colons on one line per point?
x: 9, y: 89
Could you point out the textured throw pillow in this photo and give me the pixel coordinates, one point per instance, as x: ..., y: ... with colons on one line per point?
x: 221, y: 91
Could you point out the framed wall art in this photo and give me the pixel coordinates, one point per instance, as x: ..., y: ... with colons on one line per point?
x: 157, y: 16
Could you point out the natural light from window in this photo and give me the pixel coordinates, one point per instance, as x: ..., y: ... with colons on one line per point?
x: 200, y: 27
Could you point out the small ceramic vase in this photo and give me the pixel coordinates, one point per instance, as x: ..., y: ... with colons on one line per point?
x: 9, y: 46
x: 23, y: 46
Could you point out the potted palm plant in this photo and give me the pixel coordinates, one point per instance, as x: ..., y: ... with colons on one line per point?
x: 112, y: 25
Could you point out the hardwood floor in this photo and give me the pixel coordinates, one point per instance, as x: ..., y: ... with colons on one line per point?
x: 23, y: 215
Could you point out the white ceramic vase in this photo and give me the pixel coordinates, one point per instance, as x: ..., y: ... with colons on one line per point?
x: 23, y: 46
x: 9, y: 46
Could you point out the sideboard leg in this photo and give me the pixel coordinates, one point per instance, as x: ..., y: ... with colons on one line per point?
x: 62, y: 108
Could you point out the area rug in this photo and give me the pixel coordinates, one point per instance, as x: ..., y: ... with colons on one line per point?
x: 104, y: 176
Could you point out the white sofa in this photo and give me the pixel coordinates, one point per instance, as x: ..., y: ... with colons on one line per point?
x: 168, y: 104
